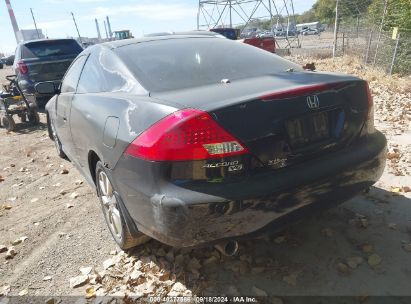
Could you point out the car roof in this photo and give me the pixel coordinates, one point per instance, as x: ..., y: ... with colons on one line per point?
x: 121, y: 43
x: 40, y: 40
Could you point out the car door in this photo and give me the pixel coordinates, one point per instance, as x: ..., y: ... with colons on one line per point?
x: 63, y: 104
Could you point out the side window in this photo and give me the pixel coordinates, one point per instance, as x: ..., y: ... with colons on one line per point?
x: 104, y: 72
x: 72, y: 76
x: 91, y: 80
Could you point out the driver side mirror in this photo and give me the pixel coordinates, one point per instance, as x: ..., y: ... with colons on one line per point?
x: 46, y: 87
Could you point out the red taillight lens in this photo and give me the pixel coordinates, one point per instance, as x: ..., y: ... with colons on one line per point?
x: 304, y: 90
x: 22, y: 67
x: 187, y: 134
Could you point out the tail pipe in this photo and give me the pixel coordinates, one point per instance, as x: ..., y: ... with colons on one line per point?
x: 229, y: 248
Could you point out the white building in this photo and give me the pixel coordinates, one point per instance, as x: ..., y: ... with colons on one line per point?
x: 31, y: 34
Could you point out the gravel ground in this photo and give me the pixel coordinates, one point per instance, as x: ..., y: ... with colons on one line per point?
x: 362, y: 248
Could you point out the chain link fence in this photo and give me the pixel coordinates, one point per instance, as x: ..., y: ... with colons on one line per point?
x: 367, y: 44
x: 380, y: 49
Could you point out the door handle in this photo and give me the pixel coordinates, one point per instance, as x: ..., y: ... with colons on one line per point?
x: 65, y: 119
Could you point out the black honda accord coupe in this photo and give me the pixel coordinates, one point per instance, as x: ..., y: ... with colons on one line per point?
x: 199, y: 140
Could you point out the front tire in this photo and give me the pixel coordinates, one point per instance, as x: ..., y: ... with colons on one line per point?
x: 8, y: 123
x: 34, y: 118
x: 113, y: 212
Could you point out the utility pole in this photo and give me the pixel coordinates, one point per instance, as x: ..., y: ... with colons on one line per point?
x: 35, y: 25
x: 75, y: 23
x: 98, y: 30
x: 105, y: 28
x: 379, y: 34
x: 231, y: 18
x: 335, y: 29
x: 13, y: 20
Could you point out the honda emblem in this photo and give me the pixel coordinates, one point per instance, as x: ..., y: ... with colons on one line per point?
x: 313, y: 102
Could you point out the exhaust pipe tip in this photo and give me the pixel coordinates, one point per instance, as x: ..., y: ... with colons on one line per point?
x: 229, y: 248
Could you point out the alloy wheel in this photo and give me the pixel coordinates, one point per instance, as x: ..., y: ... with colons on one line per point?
x: 110, y: 205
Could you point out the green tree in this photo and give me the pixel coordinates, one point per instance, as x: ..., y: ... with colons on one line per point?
x: 324, y: 10
x: 308, y: 16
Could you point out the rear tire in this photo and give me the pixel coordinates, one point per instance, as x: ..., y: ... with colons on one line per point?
x: 23, y: 117
x: 114, y: 214
x: 34, y: 118
x: 8, y: 123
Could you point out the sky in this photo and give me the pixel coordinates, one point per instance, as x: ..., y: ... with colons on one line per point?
x: 139, y: 16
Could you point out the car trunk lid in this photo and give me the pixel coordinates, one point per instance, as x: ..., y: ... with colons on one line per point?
x: 284, y: 120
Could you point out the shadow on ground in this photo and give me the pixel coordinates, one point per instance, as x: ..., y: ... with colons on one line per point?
x: 356, y: 249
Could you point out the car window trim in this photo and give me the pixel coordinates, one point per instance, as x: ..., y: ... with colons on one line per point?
x: 65, y: 74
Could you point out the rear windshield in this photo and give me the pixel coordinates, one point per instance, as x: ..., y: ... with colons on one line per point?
x: 189, y: 62
x: 40, y: 49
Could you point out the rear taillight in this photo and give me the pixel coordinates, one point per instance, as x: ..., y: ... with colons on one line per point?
x: 369, y: 122
x: 304, y: 90
x: 187, y: 134
x: 22, y: 67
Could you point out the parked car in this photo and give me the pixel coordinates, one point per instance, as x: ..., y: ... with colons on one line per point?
x: 1, y: 64
x: 229, y: 33
x: 10, y: 60
x: 309, y: 31
x: 264, y: 43
x: 43, y: 60
x: 250, y: 32
x: 196, y: 140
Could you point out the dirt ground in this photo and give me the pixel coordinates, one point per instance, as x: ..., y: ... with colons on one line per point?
x: 361, y: 248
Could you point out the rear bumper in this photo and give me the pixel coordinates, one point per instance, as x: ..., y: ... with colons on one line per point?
x: 185, y: 217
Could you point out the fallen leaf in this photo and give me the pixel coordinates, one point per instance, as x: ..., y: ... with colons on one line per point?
x: 74, y: 195
x: 177, y: 290
x: 406, y: 189
x: 392, y: 226
x: 16, y: 242
x: 68, y: 206
x: 90, y: 293
x: 258, y: 292
x: 291, y: 279
x: 7, y: 206
x: 47, y: 278
x: 86, y: 270
x: 23, y: 292
x: 64, y: 171
x: 108, y: 263
x: 3, y: 248
x: 374, y: 260
x: 50, y: 301
x: 211, y: 260
x: 407, y: 247
x: 78, y: 281
x: 363, y: 223
x: 395, y: 191
x: 11, y: 253
x: 164, y: 276
x: 2, y: 179
x: 367, y: 248
x: 354, y: 262
x: 343, y: 268
x: 4, y: 291
x: 34, y: 200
